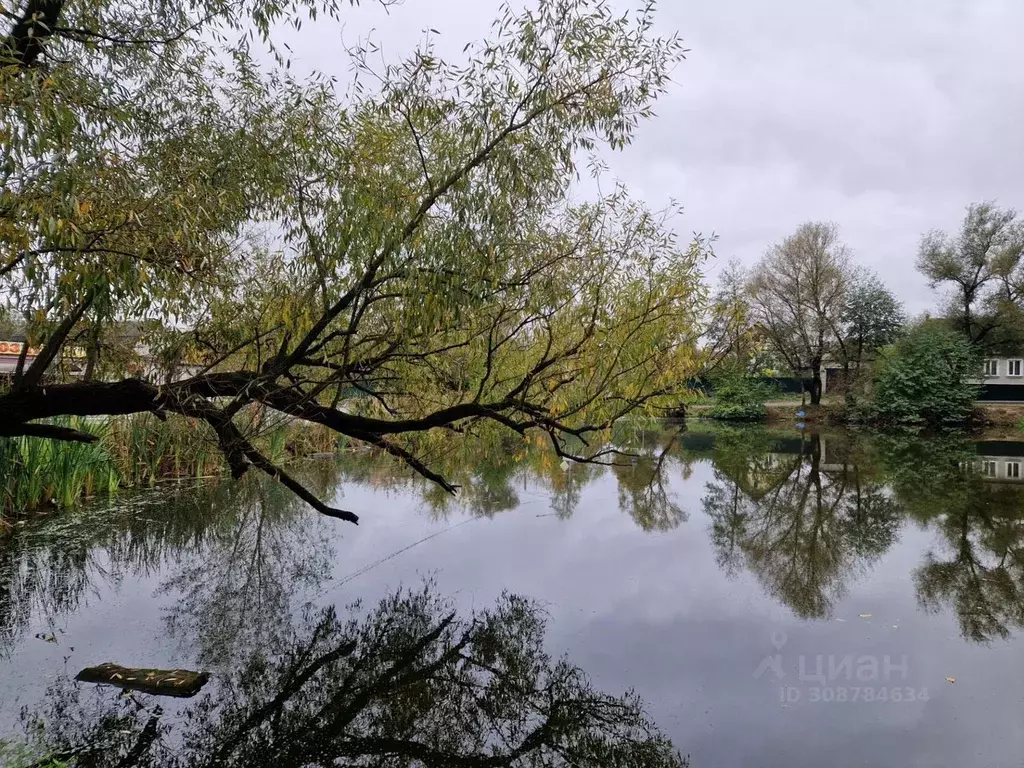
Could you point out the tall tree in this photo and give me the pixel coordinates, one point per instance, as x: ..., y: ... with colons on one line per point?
x: 798, y: 292
x: 414, y: 241
x: 732, y: 335
x: 982, y: 265
x: 871, y: 318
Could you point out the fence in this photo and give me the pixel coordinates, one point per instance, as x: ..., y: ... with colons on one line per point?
x: 996, y: 392
x: 787, y: 385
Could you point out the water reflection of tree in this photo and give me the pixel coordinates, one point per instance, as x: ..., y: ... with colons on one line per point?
x: 54, y: 566
x: 804, y: 527
x: 240, y: 590
x: 50, y: 567
x: 242, y: 549
x: 801, y: 526
x: 644, y: 495
x: 411, y: 684
x: 978, y: 568
x: 495, y: 475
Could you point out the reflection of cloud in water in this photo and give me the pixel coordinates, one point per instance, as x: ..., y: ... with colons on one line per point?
x: 636, y: 601
x: 409, y: 684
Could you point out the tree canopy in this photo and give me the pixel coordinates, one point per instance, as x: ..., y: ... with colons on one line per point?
x: 982, y: 266
x: 871, y: 318
x: 731, y: 324
x: 798, y: 291
x: 279, y: 244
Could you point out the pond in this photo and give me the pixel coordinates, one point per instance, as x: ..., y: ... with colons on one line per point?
x: 774, y: 597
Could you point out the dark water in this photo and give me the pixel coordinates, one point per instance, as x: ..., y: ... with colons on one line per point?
x: 774, y: 598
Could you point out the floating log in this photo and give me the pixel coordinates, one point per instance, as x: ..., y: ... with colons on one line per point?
x: 159, y: 682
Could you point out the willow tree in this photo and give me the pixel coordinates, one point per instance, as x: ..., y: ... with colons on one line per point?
x: 413, y: 239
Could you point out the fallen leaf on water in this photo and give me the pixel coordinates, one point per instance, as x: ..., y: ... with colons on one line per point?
x: 865, y: 615
x: 950, y: 680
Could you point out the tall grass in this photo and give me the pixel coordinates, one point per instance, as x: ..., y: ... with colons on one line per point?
x: 136, y: 450
x: 37, y: 473
x: 146, y: 449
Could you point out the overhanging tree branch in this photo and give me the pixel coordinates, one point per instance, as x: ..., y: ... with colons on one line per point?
x: 54, y: 344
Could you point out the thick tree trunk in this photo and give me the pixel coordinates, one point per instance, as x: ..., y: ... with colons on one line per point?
x: 816, y: 384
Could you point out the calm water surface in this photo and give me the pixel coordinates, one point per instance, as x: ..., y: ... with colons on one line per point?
x: 747, y: 584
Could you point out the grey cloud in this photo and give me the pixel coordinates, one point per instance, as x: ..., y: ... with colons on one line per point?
x: 887, y: 118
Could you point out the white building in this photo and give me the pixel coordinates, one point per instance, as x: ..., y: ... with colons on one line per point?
x: 1003, y: 370
x: 1002, y: 378
x: 73, y: 359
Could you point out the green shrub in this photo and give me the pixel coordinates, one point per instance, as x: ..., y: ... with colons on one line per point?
x: 146, y: 449
x: 741, y: 398
x: 930, y: 377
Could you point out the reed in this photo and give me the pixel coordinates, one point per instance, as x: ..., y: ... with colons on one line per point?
x: 134, y: 451
x: 146, y: 449
x: 38, y: 473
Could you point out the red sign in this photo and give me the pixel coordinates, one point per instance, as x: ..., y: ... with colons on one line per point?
x: 14, y: 348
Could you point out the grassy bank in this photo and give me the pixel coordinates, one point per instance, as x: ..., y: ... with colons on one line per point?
x: 133, y: 451
x: 1006, y: 416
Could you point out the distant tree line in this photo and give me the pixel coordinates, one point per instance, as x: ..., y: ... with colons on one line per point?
x: 806, y: 307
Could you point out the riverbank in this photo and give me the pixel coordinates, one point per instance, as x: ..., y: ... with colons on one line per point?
x: 1004, y: 416
x: 787, y: 412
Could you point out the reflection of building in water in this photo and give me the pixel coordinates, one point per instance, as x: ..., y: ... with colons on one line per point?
x: 1000, y: 461
x: 835, y: 455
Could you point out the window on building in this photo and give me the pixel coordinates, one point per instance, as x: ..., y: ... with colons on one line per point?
x: 988, y: 468
x: 1013, y: 470
x: 991, y: 367
x: 1013, y: 367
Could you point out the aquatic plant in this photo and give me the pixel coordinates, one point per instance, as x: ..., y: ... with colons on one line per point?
x: 132, y: 451
x: 42, y: 473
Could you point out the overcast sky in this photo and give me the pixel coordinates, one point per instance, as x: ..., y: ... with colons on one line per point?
x: 885, y: 117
